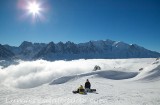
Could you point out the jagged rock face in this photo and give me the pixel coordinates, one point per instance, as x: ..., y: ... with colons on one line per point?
x: 88, y: 50
x: 5, y: 53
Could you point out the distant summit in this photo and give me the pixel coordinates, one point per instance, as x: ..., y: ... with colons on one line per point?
x: 101, y: 49
x: 5, y: 53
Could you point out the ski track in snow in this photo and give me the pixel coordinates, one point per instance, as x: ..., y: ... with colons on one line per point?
x: 121, y: 85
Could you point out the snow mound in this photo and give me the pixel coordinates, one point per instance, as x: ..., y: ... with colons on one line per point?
x: 151, y: 72
x: 154, y: 74
x: 151, y: 75
x: 108, y: 74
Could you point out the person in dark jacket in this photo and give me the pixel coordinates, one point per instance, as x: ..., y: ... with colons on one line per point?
x: 87, y: 86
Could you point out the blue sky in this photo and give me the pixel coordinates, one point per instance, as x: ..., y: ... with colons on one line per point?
x: 130, y: 21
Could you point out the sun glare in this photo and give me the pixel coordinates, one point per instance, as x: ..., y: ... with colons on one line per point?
x: 34, y: 8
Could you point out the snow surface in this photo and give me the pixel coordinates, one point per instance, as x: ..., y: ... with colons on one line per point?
x: 51, y: 83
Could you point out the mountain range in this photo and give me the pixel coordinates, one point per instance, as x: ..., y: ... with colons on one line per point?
x: 101, y: 49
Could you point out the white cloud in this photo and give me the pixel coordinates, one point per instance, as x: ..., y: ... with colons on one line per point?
x: 28, y: 74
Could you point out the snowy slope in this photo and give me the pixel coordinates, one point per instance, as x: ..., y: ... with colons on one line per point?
x: 118, y: 83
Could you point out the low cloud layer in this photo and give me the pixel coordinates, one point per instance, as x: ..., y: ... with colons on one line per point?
x: 28, y: 74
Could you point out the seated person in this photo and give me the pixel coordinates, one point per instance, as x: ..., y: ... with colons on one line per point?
x: 81, y: 90
x: 87, y: 86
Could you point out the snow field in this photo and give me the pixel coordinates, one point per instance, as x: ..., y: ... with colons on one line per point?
x: 118, y: 83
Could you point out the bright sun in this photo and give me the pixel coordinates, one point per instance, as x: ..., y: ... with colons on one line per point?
x: 34, y: 8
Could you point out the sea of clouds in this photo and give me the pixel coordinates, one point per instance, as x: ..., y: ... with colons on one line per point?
x: 29, y: 74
